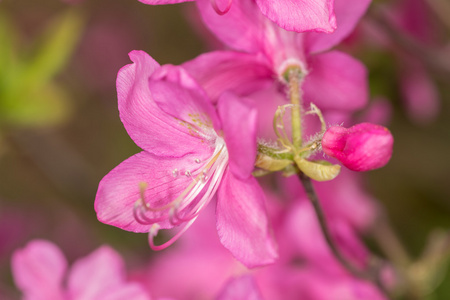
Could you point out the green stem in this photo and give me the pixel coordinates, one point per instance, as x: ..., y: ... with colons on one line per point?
x: 294, y: 76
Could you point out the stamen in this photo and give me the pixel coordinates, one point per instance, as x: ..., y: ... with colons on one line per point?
x: 279, y: 128
x: 139, y: 214
x: 198, y: 160
x: 153, y: 232
x: 219, y: 166
x: 316, y: 111
x: 175, y: 172
x: 186, y: 207
x: 218, y: 10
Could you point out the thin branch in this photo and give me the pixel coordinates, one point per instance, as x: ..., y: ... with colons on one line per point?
x: 373, y: 273
x: 390, y: 244
x: 435, y: 59
x: 441, y: 9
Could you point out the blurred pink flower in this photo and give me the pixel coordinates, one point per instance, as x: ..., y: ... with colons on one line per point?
x: 201, y: 269
x: 103, y: 49
x: 240, y: 288
x: 362, y: 147
x: 419, y: 91
x: 333, y: 80
x: 299, y: 15
x: 199, y: 266
x: 343, y: 198
x: 307, y: 268
x: 411, y: 19
x: 190, y: 152
x: 40, y: 270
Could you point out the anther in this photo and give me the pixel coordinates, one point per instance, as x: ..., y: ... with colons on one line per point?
x: 175, y: 173
x: 198, y: 160
x: 187, y: 174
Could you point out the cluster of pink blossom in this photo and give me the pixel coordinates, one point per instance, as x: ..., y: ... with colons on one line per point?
x: 268, y: 105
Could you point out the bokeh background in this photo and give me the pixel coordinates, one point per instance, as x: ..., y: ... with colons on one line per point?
x: 60, y: 132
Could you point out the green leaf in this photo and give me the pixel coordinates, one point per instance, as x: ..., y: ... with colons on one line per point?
x: 58, y: 43
x: 8, y: 56
x: 48, y: 105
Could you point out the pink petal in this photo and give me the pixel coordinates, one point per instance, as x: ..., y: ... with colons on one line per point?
x: 150, y: 127
x: 240, y: 288
x: 336, y: 81
x: 162, y: 2
x: 132, y: 291
x: 420, y: 94
x: 179, y: 95
x: 38, y: 270
x: 317, y: 285
x: 93, y: 275
x: 220, y: 71
x: 239, y: 121
x: 362, y: 147
x: 348, y: 13
x: 346, y: 198
x: 379, y: 111
x: 240, y: 28
x: 242, y: 222
x: 305, y: 235
x: 189, y: 267
x: 119, y: 190
x: 300, y: 15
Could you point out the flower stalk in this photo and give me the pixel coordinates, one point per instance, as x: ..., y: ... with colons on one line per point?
x: 373, y: 272
x: 294, y: 81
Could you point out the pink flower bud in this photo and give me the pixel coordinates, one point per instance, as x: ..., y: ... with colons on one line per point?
x: 362, y: 147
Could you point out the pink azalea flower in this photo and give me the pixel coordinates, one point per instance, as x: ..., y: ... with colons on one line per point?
x: 40, y: 270
x: 362, y: 147
x: 334, y: 80
x: 298, y: 15
x: 190, y: 153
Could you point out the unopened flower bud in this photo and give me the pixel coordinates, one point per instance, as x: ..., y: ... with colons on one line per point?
x: 362, y: 147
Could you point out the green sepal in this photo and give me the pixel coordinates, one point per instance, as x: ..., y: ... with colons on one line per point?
x: 290, y: 170
x: 271, y: 164
x: 260, y: 173
x: 320, y: 170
